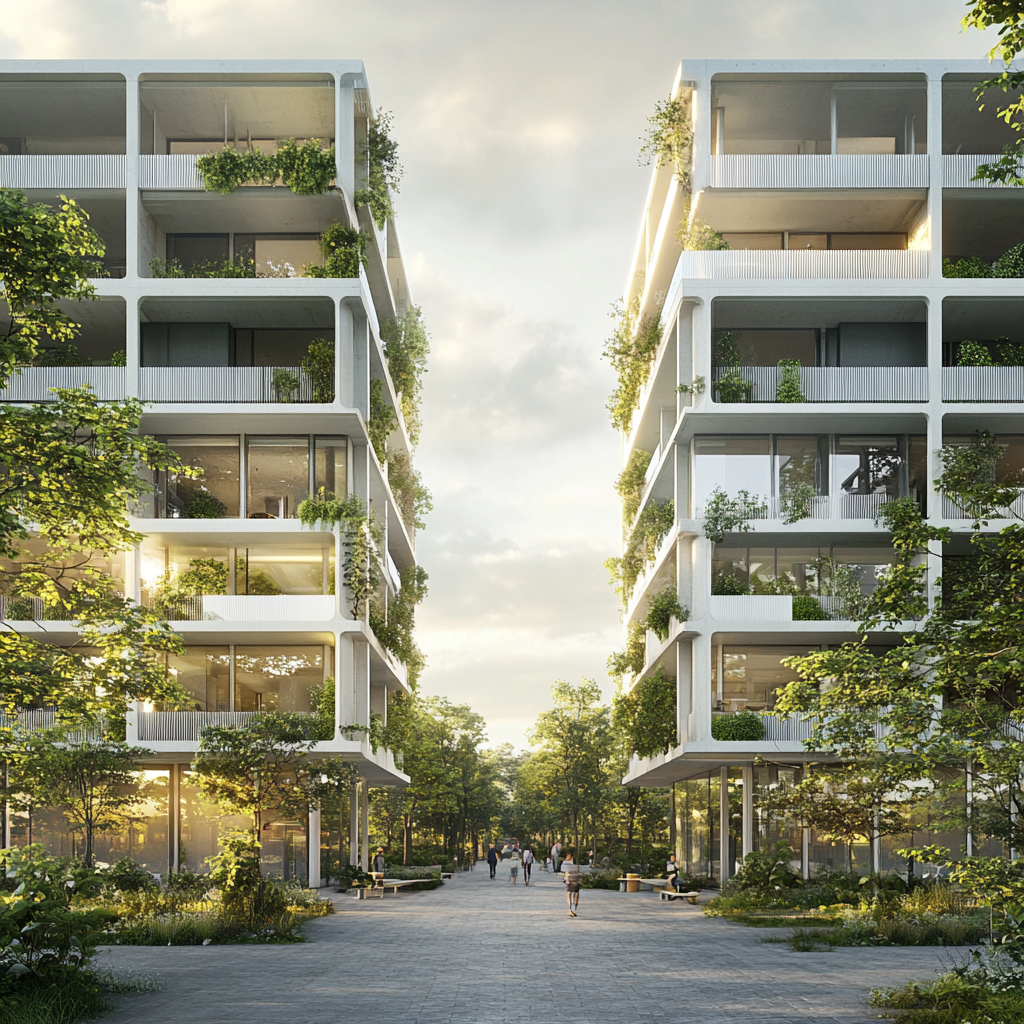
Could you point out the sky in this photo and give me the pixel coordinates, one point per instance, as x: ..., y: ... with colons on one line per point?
x: 519, y: 126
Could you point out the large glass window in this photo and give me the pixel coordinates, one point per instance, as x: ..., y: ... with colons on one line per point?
x: 214, y: 495
x: 332, y: 465
x: 285, y: 570
x: 205, y: 673
x: 800, y: 467
x: 869, y: 465
x: 276, y: 678
x: 278, y: 476
x: 749, y: 676
x: 733, y: 464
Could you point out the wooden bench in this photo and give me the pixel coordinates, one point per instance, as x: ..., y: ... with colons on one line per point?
x: 445, y: 875
x: 671, y: 894
x: 380, y: 886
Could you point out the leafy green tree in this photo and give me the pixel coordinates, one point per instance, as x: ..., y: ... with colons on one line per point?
x: 94, y: 782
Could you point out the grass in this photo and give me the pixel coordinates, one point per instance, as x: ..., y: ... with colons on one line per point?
x: 56, y: 1000
x: 953, y: 998
x: 938, y: 931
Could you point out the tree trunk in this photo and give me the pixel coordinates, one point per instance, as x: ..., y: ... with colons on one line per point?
x: 406, y: 838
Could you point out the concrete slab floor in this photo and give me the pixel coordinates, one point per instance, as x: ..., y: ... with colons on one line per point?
x: 482, y: 951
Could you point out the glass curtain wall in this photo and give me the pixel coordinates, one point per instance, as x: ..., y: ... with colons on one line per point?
x: 277, y: 471
x: 215, y: 494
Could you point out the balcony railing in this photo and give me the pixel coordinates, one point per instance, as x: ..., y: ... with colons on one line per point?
x: 220, y: 384
x: 42, y: 718
x: 187, y: 726
x: 173, y: 170
x: 840, y: 383
x: 804, y: 264
x: 952, y: 510
x: 71, y: 171
x: 33, y: 383
x: 795, y: 729
x: 958, y: 170
x: 779, y: 608
x: 822, y: 506
x: 983, y: 383
x: 249, y: 608
x: 764, y: 170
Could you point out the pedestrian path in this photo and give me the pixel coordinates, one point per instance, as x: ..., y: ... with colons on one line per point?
x: 488, y: 952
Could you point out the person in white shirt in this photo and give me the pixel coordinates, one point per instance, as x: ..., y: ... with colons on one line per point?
x: 672, y: 872
x: 528, y: 859
x: 513, y: 867
x: 571, y: 871
x: 556, y: 851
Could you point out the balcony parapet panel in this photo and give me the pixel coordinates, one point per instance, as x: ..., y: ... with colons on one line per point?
x: 771, y: 170
x: 33, y: 383
x: 953, y: 510
x: 958, y: 170
x: 983, y: 383
x: 822, y: 506
x: 804, y: 264
x: 70, y: 171
x: 844, y: 383
x: 253, y: 608
x: 173, y: 170
x: 220, y: 384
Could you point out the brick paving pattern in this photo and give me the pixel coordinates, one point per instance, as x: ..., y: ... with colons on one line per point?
x: 482, y: 952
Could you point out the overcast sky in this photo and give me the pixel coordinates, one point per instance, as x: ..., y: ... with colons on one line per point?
x: 518, y: 124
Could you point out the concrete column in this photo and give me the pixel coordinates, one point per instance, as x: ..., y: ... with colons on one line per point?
x: 935, y: 172
x: 703, y: 698
x: 344, y: 682
x: 702, y: 127
x: 934, y: 442
x: 684, y: 689
x: 353, y: 824
x: 345, y: 135
x: 684, y: 353
x: 364, y: 822
x: 703, y: 551
x: 723, y: 821
x: 360, y: 362
x: 701, y: 349
x: 748, y: 810
x: 343, y: 363
x: 313, y: 849
x: 876, y: 843
x: 174, y: 819
x: 681, y: 496
x: 805, y: 853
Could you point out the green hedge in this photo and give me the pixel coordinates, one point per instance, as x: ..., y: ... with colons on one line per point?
x: 741, y: 726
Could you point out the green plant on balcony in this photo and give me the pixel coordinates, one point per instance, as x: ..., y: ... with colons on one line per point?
x: 413, y: 499
x: 383, y: 420
x: 669, y: 135
x: 641, y: 549
x: 971, y: 353
x: 970, y: 266
x: 203, y: 505
x: 698, y: 387
x: 630, y: 485
x: 728, y: 584
x: 699, y: 237
x: 344, y: 252
x: 738, y: 727
x: 664, y: 606
x: 384, y: 172
x: 724, y: 515
x: 630, y: 661
x: 285, y: 384
x: 728, y: 354
x: 806, y: 608
x: 1002, y: 353
x: 236, y: 268
x: 394, y: 621
x: 1010, y: 264
x: 227, y: 169
x: 119, y: 358
x: 64, y: 354
x: 788, y: 389
x: 318, y: 365
x: 796, y: 500
x: 307, y: 169
x: 772, y: 585
x: 646, y: 715
x: 406, y: 347
x: 631, y: 350
x: 1009, y: 353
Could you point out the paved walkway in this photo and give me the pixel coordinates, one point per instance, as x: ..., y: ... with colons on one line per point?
x: 482, y: 952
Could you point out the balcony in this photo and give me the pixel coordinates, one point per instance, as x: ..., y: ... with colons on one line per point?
x: 252, y: 608
x: 34, y: 383
x: 63, y: 171
x: 952, y: 510
x: 822, y: 506
x: 804, y: 264
x: 958, y: 170
x: 841, y: 383
x: 768, y: 608
x: 187, y: 726
x: 983, y: 383
x: 789, y: 170
x: 170, y: 171
x: 223, y: 384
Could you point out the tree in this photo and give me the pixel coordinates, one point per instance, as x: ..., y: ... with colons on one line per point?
x: 93, y: 781
x: 946, y: 702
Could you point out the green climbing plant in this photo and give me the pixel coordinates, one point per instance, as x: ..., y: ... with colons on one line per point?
x: 344, y: 252
x: 631, y: 350
x: 641, y: 549
x: 384, y: 172
x: 663, y: 607
x: 630, y: 485
x: 318, y: 365
x: 307, y: 169
x: 406, y: 347
x: 383, y: 420
x: 646, y: 714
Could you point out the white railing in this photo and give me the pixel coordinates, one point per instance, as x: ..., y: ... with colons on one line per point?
x: 783, y: 730
x: 952, y: 510
x: 752, y: 608
x: 791, y: 170
x: 187, y: 726
x: 174, y: 170
x: 219, y: 384
x: 33, y: 383
x: 983, y: 383
x: 43, y: 718
x: 79, y: 170
x: 21, y: 609
x: 840, y: 383
x: 804, y: 264
x: 958, y: 170
x: 250, y: 608
x: 822, y: 506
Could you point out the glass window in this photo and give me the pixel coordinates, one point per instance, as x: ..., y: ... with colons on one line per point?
x: 276, y: 678
x: 278, y: 476
x: 807, y: 241
x: 190, y: 250
x: 285, y: 570
x: 751, y: 675
x: 205, y: 673
x: 753, y: 239
x: 332, y: 465
x: 800, y: 462
x: 866, y: 564
x: 1010, y: 468
x: 733, y: 464
x: 214, y: 495
x: 868, y: 465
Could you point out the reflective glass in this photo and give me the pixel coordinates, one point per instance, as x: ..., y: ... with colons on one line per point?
x: 277, y: 469
x: 751, y: 675
x: 733, y: 464
x: 214, y: 495
x: 204, y: 673
x: 276, y: 678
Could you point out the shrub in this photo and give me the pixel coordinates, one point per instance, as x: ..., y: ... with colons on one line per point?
x: 728, y: 584
x: 972, y: 266
x: 699, y: 237
x: 1010, y: 264
x: 307, y: 170
x: 631, y: 351
x: 731, y: 387
x: 127, y: 876
x: 285, y: 384
x: 766, y: 871
x: 204, y: 505
x: 806, y: 609
x: 663, y: 608
x: 740, y: 726
x: 385, y: 171
x: 344, y: 252
x: 788, y: 389
x: 318, y: 363
x: 119, y: 358
x: 647, y: 715
x: 1009, y: 353
x: 972, y: 353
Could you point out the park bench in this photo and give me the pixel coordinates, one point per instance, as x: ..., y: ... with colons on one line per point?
x: 661, y: 886
x: 671, y: 894
x: 381, y: 885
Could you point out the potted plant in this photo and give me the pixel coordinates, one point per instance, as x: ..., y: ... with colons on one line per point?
x: 285, y: 384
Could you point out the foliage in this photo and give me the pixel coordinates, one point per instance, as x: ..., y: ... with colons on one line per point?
x: 970, y: 353
x: 285, y: 384
x: 307, y: 169
x: 384, y: 172
x: 724, y: 515
x: 631, y: 350
x: 788, y: 388
x: 413, y: 499
x: 204, y: 505
x: 728, y: 355
x: 728, y: 584
x: 394, y: 626
x: 383, y: 420
x: 766, y: 871
x: 698, y: 237
x: 646, y: 715
x: 406, y: 347
x: 805, y: 608
x: 1010, y: 264
x: 318, y: 365
x: 630, y: 485
x: 630, y: 661
x: 739, y: 726
x: 236, y: 268
x: 641, y: 548
x: 669, y: 137
x: 970, y: 266
x: 65, y: 354
x: 730, y: 387
x: 664, y: 606
x: 344, y: 250
x: 46, y: 255
x: 796, y: 499
x: 91, y: 781
x: 698, y: 387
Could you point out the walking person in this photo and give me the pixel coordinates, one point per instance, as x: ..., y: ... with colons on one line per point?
x: 492, y: 859
x: 556, y: 852
x: 571, y: 871
x: 513, y: 867
x: 528, y: 859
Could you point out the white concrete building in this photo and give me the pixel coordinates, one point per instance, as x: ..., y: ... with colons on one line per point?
x: 122, y: 137
x: 840, y: 186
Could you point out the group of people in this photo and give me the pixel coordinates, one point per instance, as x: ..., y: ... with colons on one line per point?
x: 568, y: 868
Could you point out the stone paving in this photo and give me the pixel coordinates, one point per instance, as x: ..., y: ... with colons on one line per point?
x: 482, y: 951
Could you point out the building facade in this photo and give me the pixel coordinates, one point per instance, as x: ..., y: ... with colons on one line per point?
x: 812, y: 365
x: 221, y: 365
